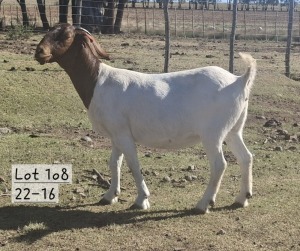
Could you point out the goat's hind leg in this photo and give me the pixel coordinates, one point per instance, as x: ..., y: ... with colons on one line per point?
x: 115, y: 163
x: 236, y: 144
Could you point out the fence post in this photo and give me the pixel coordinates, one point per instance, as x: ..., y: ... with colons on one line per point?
x: 11, y: 23
x: 232, y: 36
x: 245, y: 25
x: 136, y: 20
x: 145, y: 21
x: 193, y: 23
x: 255, y: 35
x: 299, y: 23
x: 276, y: 17
x: 183, y: 21
x: 50, y: 16
x: 266, y: 36
x: 17, y: 15
x: 167, y: 35
x: 203, y: 22
x: 289, y: 39
x: 223, y: 22
x: 175, y: 22
x: 153, y: 19
x: 127, y: 17
x: 214, y: 27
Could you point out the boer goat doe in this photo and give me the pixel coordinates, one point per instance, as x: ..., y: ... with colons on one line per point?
x: 170, y: 110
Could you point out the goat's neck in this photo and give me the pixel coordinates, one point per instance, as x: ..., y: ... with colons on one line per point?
x: 83, y: 71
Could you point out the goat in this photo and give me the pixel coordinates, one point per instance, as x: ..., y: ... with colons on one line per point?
x: 168, y: 110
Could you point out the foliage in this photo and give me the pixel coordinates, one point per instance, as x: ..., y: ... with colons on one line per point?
x: 19, y: 32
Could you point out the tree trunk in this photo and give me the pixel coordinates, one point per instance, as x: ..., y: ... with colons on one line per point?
x: 108, y: 26
x: 24, y: 12
x: 63, y: 11
x: 42, y: 10
x: 77, y: 16
x: 119, y: 16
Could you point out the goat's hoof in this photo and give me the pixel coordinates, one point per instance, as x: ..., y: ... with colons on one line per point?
x: 212, y: 203
x: 197, y: 210
x: 242, y: 199
x: 143, y: 206
x: 238, y: 204
x: 104, y: 202
x: 137, y: 207
x: 248, y: 195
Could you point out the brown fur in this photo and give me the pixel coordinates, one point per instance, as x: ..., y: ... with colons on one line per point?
x: 78, y: 53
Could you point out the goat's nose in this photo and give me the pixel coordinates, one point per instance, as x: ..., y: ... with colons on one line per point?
x: 40, y: 50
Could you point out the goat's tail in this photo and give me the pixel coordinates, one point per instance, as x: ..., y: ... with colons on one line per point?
x: 250, y: 74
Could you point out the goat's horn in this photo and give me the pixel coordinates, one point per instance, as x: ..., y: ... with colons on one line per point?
x: 82, y: 29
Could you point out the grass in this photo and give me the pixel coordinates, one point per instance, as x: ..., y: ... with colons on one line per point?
x: 48, y: 120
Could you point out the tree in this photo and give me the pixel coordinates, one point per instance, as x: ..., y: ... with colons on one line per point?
x: 108, y: 25
x: 119, y: 15
x: 63, y: 11
x: 247, y: 3
x: 24, y: 12
x: 92, y: 18
x: 77, y: 4
x: 96, y: 15
x: 42, y: 11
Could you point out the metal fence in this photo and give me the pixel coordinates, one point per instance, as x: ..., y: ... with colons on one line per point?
x: 215, y: 24
x: 263, y: 25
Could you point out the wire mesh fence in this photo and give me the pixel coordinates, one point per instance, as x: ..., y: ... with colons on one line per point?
x: 253, y: 25
x: 215, y: 24
x: 212, y: 24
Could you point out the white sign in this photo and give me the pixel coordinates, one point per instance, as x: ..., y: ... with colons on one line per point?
x: 34, y: 183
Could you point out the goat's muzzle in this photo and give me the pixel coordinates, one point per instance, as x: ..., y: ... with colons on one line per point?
x: 42, y: 56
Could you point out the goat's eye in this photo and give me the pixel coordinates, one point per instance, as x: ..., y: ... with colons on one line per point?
x: 62, y: 36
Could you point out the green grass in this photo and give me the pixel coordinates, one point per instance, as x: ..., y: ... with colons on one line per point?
x: 47, y: 120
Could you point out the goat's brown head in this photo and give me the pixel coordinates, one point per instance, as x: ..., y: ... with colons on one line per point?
x: 58, y: 41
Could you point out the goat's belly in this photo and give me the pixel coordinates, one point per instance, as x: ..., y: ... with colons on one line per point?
x: 158, y: 141
x: 96, y: 123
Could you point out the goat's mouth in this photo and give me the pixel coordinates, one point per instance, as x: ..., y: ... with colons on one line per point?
x: 43, y: 59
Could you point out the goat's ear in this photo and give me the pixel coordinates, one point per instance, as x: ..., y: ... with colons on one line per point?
x: 101, y: 52
x: 95, y: 47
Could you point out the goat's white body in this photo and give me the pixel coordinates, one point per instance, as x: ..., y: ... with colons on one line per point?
x: 169, y: 110
x: 172, y: 110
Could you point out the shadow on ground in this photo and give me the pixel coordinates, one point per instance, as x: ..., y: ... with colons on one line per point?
x: 57, y: 219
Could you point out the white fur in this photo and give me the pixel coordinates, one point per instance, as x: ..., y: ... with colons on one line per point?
x: 173, y: 110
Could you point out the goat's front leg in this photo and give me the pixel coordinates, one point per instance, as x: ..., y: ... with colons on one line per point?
x: 128, y: 147
x: 217, y: 166
x: 111, y: 196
